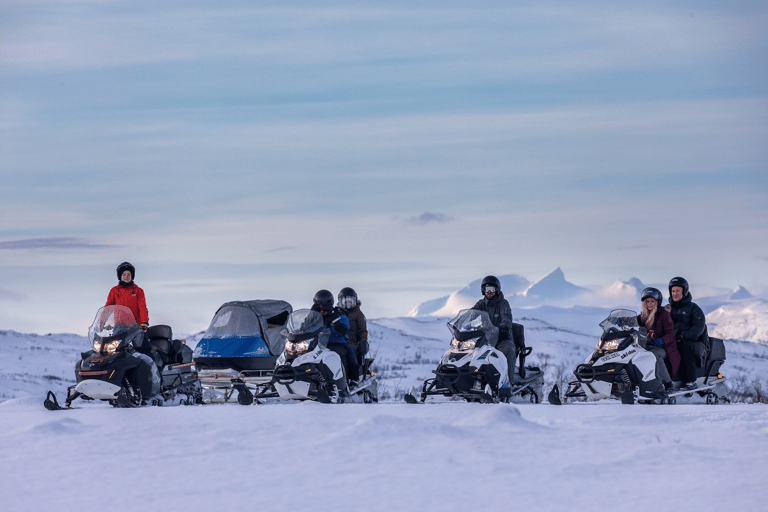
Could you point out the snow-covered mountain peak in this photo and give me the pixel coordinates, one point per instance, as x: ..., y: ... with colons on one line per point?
x: 739, y: 293
x: 553, y: 286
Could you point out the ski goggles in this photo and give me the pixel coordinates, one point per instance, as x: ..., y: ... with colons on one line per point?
x: 489, y: 289
x: 347, y: 302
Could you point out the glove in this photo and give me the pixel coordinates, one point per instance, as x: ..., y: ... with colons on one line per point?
x: 659, y: 342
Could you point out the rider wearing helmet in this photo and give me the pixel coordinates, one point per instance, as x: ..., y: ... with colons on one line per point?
x: 349, y: 305
x: 661, y: 331
x: 338, y: 324
x: 128, y: 294
x: 500, y: 313
x: 690, y: 329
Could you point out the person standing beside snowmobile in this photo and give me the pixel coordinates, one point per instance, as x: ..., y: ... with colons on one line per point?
x: 349, y: 305
x: 661, y: 331
x: 690, y: 330
x: 338, y: 324
x: 128, y: 294
x: 500, y: 313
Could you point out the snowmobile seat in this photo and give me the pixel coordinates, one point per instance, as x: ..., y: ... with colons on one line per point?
x: 716, y: 356
x: 160, y: 340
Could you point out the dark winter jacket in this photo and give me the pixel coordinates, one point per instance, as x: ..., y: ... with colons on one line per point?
x: 132, y: 297
x: 690, y: 324
x: 500, y: 313
x: 664, y: 328
x: 358, y: 330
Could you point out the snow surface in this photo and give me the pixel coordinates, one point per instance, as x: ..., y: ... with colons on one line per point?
x: 386, y: 456
x: 450, y: 456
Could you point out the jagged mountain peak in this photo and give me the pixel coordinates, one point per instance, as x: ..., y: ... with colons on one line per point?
x: 739, y: 293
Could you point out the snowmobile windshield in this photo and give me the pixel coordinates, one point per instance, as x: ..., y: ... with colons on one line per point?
x: 472, y: 323
x: 303, y: 324
x: 620, y: 320
x: 618, y: 329
x: 234, y: 322
x: 113, y: 329
x: 112, y: 322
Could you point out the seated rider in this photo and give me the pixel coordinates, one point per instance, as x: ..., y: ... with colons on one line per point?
x: 690, y: 330
x: 349, y: 305
x: 661, y: 331
x: 500, y: 313
x: 338, y: 324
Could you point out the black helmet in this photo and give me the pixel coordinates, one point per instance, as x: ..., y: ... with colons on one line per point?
x: 347, y: 298
x: 679, y: 281
x: 653, y: 293
x: 323, y: 299
x: 123, y: 267
x: 492, y: 281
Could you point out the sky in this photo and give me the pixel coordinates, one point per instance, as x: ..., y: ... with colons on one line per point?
x: 236, y: 151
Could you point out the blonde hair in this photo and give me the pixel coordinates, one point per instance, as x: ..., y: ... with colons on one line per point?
x: 648, y: 317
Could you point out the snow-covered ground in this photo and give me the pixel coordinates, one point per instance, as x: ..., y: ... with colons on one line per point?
x: 446, y: 456
x: 390, y: 456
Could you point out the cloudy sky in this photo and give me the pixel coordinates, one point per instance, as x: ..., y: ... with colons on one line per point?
x: 239, y: 150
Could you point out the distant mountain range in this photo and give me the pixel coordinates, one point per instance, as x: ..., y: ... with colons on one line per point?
x: 735, y: 315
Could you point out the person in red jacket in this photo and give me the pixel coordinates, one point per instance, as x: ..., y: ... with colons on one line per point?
x: 126, y: 293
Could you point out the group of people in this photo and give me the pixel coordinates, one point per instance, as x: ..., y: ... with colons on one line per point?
x: 346, y: 322
x: 678, y: 331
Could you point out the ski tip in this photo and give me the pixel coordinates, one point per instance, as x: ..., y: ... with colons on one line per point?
x: 554, y: 396
x: 410, y: 399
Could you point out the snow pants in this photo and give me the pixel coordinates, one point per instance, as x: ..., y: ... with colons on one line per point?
x: 508, y: 348
x: 348, y: 359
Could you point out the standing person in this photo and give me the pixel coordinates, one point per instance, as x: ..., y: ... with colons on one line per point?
x: 338, y: 324
x: 500, y: 313
x: 128, y: 294
x: 349, y: 305
x: 661, y: 330
x: 690, y: 330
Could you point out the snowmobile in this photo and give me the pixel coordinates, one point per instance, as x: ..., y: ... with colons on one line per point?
x: 116, y: 372
x: 308, y: 370
x: 239, y: 349
x: 474, y: 370
x: 623, y: 367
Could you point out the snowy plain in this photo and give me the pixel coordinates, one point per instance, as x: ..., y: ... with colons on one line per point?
x: 443, y: 456
x: 392, y: 456
x: 388, y: 456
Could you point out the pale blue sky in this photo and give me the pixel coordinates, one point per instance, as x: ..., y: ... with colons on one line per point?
x: 234, y: 150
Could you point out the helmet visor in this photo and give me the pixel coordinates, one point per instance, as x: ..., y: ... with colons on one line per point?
x: 347, y: 302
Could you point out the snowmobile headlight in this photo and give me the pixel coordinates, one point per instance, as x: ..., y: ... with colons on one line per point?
x: 96, y: 346
x: 113, y: 346
x: 296, y: 348
x: 608, y: 346
x: 462, y: 345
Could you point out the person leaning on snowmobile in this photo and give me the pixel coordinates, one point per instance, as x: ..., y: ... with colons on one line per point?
x: 690, y: 330
x: 338, y: 324
x: 661, y: 331
x: 128, y: 294
x: 349, y: 305
x: 500, y: 313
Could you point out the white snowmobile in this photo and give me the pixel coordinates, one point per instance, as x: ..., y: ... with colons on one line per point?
x: 474, y: 370
x: 114, y: 371
x: 622, y: 367
x: 308, y: 370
